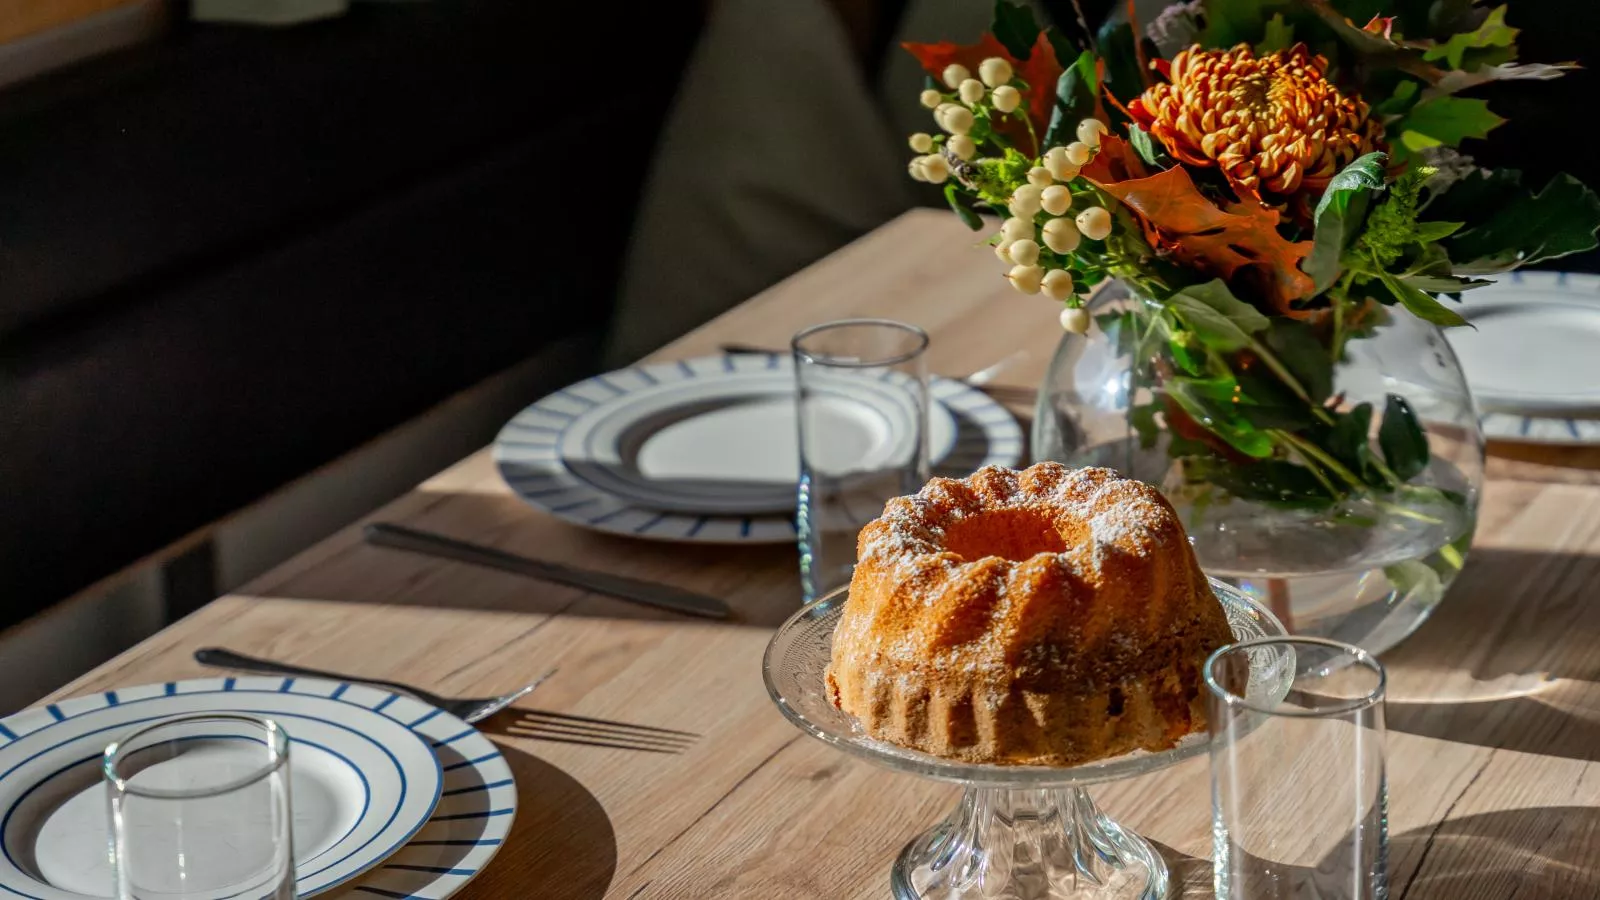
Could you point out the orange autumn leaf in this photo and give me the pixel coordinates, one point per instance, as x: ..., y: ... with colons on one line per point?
x: 1242, y: 241
x: 1040, y: 70
x: 1115, y: 161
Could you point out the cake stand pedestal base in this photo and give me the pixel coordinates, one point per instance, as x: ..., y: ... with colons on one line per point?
x: 1028, y: 844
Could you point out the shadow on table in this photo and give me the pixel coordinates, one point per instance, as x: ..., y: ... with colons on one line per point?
x: 1190, y: 876
x: 1542, y: 853
x: 759, y: 582
x: 588, y: 731
x: 1523, y: 626
x: 562, y: 846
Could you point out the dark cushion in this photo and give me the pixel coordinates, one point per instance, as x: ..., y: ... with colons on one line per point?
x: 235, y: 254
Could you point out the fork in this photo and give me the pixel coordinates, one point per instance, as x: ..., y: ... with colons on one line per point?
x: 469, y: 710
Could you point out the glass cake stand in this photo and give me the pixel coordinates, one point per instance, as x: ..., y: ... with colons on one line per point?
x: 1019, y: 832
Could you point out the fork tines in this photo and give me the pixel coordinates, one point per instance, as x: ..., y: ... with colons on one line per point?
x: 571, y: 729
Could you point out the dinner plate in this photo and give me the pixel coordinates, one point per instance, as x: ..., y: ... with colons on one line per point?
x: 705, y: 450
x: 366, y: 776
x: 477, y: 805
x: 1535, y: 350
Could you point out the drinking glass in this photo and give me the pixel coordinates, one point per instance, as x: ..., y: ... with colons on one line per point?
x: 863, y: 424
x: 1299, y: 803
x: 200, y: 810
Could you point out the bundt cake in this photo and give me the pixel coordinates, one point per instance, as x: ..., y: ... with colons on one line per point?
x: 1046, y: 617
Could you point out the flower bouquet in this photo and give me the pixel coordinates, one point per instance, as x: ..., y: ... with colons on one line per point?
x: 1271, y: 186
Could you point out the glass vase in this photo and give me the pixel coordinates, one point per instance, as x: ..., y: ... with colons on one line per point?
x: 1345, y: 503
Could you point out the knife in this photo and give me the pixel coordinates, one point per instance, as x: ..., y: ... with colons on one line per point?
x: 399, y: 537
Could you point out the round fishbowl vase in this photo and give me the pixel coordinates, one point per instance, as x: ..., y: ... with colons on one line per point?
x: 1362, y: 560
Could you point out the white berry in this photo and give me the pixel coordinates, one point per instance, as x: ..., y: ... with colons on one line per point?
x: 1025, y: 201
x: 1061, y: 235
x: 954, y: 74
x: 935, y: 168
x: 1006, y: 98
x: 962, y: 146
x: 1057, y: 284
x: 1024, y: 252
x: 1003, y: 251
x: 1039, y: 176
x: 1056, y: 199
x: 994, y: 71
x: 1095, y: 223
x: 922, y: 143
x: 931, y: 98
x: 914, y: 168
x: 957, y: 120
x: 1078, y: 153
x: 1089, y: 131
x: 971, y: 91
x: 1075, y: 320
x: 1025, y: 278
x: 1016, y: 229
x: 1060, y: 167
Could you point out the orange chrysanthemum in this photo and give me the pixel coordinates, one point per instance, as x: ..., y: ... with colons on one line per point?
x: 1274, y: 125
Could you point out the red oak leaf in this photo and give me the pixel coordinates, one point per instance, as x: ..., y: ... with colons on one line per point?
x: 1239, y: 243
x: 1115, y: 161
x: 1040, y: 70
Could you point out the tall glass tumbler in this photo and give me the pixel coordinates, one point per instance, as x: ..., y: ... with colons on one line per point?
x: 863, y: 424
x: 200, y: 810
x: 1299, y: 798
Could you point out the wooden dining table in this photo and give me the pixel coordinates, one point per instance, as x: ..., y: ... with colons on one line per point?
x: 1493, y: 705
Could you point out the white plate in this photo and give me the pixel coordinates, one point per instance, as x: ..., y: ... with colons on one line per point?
x: 365, y: 777
x: 705, y: 449
x: 1536, y: 348
x: 469, y: 826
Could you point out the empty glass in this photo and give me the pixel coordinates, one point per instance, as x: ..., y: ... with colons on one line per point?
x: 863, y: 423
x: 200, y: 810
x: 1299, y: 801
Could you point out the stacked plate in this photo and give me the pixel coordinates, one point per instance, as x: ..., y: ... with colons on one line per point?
x: 392, y: 797
x: 705, y: 450
x: 1533, y: 362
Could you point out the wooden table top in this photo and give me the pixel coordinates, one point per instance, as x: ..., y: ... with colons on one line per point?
x: 1494, y: 706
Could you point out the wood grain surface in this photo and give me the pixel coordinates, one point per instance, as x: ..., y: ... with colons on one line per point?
x: 1494, y: 708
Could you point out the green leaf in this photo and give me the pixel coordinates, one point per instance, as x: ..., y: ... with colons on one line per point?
x: 1279, y: 35
x: 1493, y: 32
x: 1220, y: 320
x: 1446, y: 121
x: 1416, y: 585
x: 1529, y: 228
x: 1443, y: 284
x: 1121, y: 329
x: 1185, y: 356
x: 1404, y: 444
x: 970, y: 218
x: 1283, y: 418
x: 1340, y: 214
x: 1209, y: 402
x: 1114, y: 44
x: 1476, y: 197
x: 1271, y: 481
x: 1230, y: 22
x: 1296, y: 345
x: 1348, y: 442
x: 1423, y: 306
x: 1143, y: 420
x: 1148, y: 148
x: 1429, y: 232
x: 1014, y: 28
x: 1076, y: 93
x: 1404, y: 96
